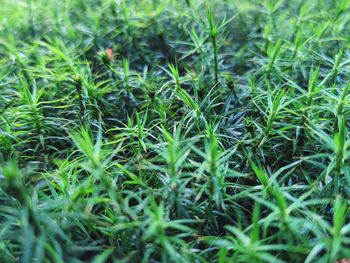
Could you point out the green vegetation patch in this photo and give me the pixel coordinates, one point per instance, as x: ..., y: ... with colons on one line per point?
x: 174, y: 131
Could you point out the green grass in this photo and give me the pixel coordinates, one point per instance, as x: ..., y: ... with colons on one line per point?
x: 217, y: 131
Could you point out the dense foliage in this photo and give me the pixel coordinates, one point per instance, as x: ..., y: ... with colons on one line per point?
x: 174, y: 130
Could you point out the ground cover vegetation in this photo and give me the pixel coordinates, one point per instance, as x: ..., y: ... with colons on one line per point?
x: 174, y: 130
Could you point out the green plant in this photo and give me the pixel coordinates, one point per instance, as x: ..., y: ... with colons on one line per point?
x: 174, y: 131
